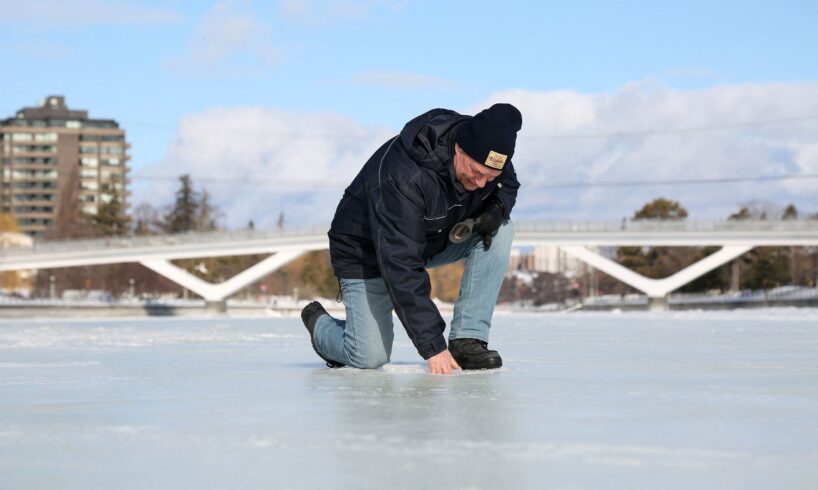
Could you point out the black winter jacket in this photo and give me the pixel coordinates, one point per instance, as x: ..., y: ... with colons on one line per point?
x: 397, y: 213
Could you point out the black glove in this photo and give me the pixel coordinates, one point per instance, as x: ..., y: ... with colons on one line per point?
x: 489, y: 222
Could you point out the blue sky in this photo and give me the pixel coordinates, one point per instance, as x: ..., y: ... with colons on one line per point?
x: 360, y: 69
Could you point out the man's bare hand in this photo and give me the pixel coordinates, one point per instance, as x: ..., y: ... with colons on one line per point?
x: 442, y: 363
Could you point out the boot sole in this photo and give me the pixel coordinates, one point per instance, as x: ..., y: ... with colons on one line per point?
x: 491, y: 363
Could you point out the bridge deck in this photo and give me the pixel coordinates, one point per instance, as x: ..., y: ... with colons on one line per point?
x: 190, y: 245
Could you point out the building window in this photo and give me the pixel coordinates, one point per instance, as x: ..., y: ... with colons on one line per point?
x: 89, y: 162
x: 21, y: 137
x: 31, y: 149
x: 88, y: 173
x: 33, y: 209
x: 73, y: 124
x: 33, y: 174
x: 88, y: 149
x: 45, y: 137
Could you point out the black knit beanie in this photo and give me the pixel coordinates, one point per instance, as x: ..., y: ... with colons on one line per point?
x: 489, y: 137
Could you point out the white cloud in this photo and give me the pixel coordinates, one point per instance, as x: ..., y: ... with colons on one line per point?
x: 402, y: 80
x: 298, y: 164
x: 230, y: 39
x: 75, y: 13
x: 571, y: 137
x: 321, y: 12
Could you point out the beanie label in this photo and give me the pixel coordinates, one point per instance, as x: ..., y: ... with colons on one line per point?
x: 496, y: 160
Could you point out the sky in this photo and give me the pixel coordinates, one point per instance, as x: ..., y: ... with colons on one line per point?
x: 274, y: 106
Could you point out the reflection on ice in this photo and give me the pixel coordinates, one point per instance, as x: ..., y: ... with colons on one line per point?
x: 650, y: 400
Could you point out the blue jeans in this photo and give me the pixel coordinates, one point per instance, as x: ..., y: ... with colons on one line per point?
x: 364, y: 339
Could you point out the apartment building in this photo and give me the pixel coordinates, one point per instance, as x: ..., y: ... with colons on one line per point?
x: 54, y: 156
x: 545, y: 258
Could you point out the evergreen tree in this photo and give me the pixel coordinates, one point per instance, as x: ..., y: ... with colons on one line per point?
x: 790, y: 213
x: 111, y: 219
x: 183, y: 215
x: 206, y: 214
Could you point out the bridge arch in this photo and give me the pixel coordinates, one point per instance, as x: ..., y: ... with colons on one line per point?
x: 576, y: 239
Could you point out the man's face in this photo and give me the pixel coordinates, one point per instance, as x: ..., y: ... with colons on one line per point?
x: 471, y: 174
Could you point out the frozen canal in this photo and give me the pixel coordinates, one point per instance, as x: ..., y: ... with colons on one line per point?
x: 588, y: 400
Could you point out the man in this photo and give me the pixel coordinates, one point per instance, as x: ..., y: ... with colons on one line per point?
x: 393, y: 222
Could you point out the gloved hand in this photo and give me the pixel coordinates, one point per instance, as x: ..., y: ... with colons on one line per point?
x: 489, y: 222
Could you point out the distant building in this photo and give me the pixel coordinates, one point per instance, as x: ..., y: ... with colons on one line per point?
x: 550, y: 258
x: 545, y: 258
x: 54, y: 156
x: 519, y: 261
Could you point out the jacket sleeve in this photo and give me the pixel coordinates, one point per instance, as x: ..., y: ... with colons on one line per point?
x: 507, y: 189
x: 399, y: 234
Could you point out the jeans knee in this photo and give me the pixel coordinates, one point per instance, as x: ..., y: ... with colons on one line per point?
x: 369, y: 360
x: 370, y: 354
x: 505, y: 234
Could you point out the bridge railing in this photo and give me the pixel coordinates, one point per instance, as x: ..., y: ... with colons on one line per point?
x: 624, y: 226
x: 131, y: 241
x: 665, y: 226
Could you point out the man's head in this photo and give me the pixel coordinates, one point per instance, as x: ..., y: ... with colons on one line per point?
x: 488, y: 141
x: 469, y: 172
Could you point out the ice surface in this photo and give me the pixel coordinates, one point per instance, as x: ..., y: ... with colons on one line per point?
x: 588, y: 400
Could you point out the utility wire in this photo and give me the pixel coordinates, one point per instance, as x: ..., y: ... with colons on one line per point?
x: 555, y: 136
x: 294, y: 184
x: 637, y: 183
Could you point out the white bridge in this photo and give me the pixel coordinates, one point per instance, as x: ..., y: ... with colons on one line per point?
x: 155, y: 252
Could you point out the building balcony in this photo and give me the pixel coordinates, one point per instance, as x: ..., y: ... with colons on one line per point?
x: 35, y: 215
x: 36, y: 179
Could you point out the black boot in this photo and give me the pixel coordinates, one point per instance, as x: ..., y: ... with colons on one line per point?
x: 474, y: 354
x: 310, y: 315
